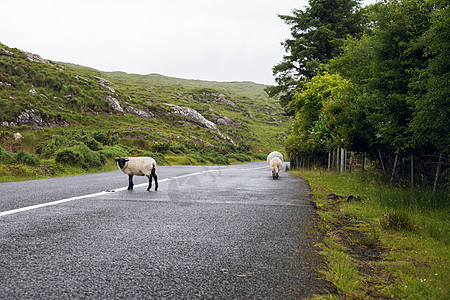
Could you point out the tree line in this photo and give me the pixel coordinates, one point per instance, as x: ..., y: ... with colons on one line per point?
x: 372, y: 80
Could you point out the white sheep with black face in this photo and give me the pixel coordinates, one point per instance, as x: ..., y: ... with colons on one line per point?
x: 275, y: 161
x: 139, y: 166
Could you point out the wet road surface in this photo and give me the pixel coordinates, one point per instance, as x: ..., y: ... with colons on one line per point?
x: 208, y: 233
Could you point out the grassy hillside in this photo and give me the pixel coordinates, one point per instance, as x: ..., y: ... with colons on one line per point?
x: 182, y: 121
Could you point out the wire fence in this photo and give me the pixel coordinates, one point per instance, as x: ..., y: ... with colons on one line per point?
x: 412, y: 170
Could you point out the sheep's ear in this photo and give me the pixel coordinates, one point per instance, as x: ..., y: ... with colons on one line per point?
x: 126, y: 159
x: 117, y: 158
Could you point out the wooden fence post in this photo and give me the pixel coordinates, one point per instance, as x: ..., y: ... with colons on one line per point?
x: 381, y: 161
x: 436, y: 177
x: 363, y: 161
x: 395, y: 165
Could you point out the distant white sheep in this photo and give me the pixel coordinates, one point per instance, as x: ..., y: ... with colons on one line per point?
x: 275, y: 161
x: 139, y: 166
x: 274, y: 154
x: 275, y: 165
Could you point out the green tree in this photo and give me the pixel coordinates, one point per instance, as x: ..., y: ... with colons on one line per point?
x: 430, y: 124
x: 318, y: 33
x: 382, y: 64
x: 317, y: 105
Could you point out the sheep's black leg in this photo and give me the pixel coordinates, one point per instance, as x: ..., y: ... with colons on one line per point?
x: 149, y: 182
x: 130, y: 182
x: 156, y: 182
x: 155, y: 177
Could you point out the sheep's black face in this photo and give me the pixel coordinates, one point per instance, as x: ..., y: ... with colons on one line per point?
x: 121, y: 162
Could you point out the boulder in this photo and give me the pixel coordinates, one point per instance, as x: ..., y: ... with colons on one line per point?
x: 32, y: 118
x: 194, y: 115
x: 115, y: 104
x: 139, y: 112
x: 17, y: 136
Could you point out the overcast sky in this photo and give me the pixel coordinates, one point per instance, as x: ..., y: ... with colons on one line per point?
x: 226, y: 40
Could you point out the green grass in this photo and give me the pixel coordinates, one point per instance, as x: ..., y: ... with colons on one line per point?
x: 405, y: 230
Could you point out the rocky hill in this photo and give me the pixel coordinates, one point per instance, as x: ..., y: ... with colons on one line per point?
x: 41, y: 99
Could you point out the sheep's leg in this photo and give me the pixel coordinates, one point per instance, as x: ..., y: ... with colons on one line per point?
x: 155, y: 177
x: 130, y: 182
x: 149, y: 182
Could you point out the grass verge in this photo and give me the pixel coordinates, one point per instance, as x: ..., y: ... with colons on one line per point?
x: 381, y: 241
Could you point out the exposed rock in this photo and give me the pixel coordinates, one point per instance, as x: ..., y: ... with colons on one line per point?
x: 227, y: 122
x: 213, y: 97
x: 221, y: 121
x: 30, y: 118
x: 17, y: 136
x: 106, y: 84
x: 80, y: 78
x: 194, y: 115
x: 139, y: 112
x: 7, y: 52
x: 115, y: 104
x: 35, y: 57
x: 222, y: 98
x: 108, y: 88
x: 103, y: 80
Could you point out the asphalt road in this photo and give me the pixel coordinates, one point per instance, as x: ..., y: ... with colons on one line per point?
x: 207, y: 233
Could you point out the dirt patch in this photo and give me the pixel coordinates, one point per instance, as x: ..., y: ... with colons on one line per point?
x: 361, y: 241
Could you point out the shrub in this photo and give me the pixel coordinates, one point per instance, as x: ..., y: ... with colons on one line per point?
x: 261, y: 156
x: 79, y: 155
x: 114, y: 151
x: 106, y: 138
x: 91, y: 142
x: 58, y: 142
x: 238, y: 156
x: 161, y: 147
x: 198, y: 157
x: 224, y: 148
x: 27, y: 158
x: 177, y: 148
x: 192, y: 146
x: 243, y: 148
x: 68, y: 156
x: 6, y: 157
x: 218, y: 159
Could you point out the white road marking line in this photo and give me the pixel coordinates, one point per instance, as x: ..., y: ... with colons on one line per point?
x: 19, y: 210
